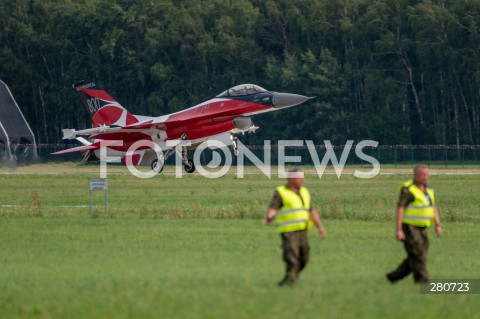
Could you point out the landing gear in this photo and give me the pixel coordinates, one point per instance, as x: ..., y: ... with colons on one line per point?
x: 156, y: 166
x: 189, y: 166
x: 187, y: 163
x: 235, y: 147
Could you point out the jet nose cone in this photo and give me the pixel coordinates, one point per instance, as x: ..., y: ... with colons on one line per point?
x: 282, y: 100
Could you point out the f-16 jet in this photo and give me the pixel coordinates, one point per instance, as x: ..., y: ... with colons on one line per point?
x: 218, y: 119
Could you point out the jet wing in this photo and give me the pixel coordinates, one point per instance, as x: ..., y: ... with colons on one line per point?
x: 94, y: 146
x: 152, y: 126
x: 148, y: 127
x: 106, y: 130
x: 78, y: 149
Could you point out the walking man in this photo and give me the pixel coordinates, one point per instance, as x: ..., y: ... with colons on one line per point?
x: 293, y: 213
x: 416, y: 211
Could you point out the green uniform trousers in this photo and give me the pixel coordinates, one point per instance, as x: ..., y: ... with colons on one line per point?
x: 295, y: 254
x: 416, y: 245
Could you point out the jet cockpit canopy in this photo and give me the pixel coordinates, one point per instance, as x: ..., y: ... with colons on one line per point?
x: 241, y: 90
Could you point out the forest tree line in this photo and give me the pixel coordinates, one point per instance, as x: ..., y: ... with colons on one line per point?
x: 394, y: 71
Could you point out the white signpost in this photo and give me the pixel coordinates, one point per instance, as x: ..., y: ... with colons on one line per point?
x: 102, y: 185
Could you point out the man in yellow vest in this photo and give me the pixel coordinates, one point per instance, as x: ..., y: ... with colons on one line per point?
x: 416, y: 211
x: 293, y: 213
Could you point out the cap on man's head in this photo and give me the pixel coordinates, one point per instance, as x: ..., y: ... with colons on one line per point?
x: 295, y: 173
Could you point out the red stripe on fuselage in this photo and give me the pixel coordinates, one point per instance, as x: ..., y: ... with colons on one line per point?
x: 195, y: 131
x: 210, y: 118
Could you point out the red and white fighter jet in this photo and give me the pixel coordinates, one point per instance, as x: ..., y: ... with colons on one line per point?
x: 217, y: 119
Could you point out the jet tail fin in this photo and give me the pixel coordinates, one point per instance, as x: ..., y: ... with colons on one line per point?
x: 103, y: 108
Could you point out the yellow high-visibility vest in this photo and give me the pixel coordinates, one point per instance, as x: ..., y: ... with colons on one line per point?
x: 420, y: 211
x: 294, y: 215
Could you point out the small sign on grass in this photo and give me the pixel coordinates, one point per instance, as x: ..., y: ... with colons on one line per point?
x: 99, y: 184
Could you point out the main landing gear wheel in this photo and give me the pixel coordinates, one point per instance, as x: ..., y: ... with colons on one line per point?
x: 189, y: 166
x: 157, y: 166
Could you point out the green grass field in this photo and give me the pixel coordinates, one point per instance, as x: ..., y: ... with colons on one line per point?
x: 195, y: 248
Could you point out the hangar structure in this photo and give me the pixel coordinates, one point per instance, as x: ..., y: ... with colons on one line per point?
x: 16, y: 136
